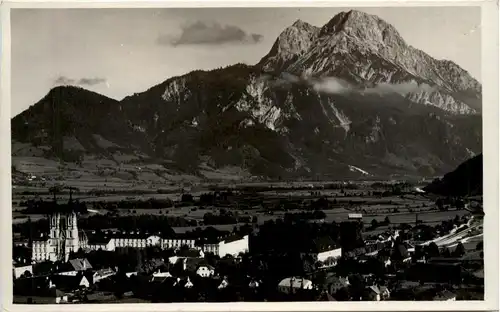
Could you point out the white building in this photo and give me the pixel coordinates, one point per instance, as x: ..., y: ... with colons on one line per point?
x: 175, y: 243
x: 205, y: 270
x: 110, y: 240
x: 330, y: 254
x: 19, y: 270
x: 228, y: 246
x: 63, y: 238
x: 355, y: 216
x: 292, y: 284
x: 104, y: 243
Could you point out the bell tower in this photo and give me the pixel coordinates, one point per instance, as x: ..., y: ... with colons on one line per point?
x: 71, y: 243
x: 71, y: 232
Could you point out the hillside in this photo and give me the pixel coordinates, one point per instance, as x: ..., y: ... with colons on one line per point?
x: 347, y: 100
x: 465, y: 180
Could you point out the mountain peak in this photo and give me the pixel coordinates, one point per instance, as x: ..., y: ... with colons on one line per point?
x: 291, y: 43
x: 301, y: 24
x: 364, y: 26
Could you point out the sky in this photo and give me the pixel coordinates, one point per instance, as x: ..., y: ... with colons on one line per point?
x: 118, y: 52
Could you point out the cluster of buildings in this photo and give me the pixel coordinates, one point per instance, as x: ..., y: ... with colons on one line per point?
x: 64, y: 237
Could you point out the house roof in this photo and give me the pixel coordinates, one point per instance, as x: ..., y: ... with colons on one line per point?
x: 233, y: 238
x: 444, y: 295
x: 42, y: 268
x: 80, y: 264
x: 324, y: 243
x: 96, y: 239
x: 375, y: 289
x: 295, y: 282
x: 189, y: 253
x: 103, y: 272
x: 383, y: 289
x: 158, y: 279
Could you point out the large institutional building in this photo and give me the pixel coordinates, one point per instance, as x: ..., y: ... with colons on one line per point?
x: 64, y: 237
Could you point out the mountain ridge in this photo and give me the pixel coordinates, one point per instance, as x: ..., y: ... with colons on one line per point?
x: 289, y: 124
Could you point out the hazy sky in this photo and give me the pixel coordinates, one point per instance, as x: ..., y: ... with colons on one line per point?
x: 117, y: 52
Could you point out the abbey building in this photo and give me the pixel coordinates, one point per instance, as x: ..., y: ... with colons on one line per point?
x: 63, y: 238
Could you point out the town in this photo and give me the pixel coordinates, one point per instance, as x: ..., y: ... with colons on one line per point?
x: 323, y: 242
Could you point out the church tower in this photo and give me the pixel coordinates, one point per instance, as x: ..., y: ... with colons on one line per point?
x: 55, y: 226
x: 72, y: 240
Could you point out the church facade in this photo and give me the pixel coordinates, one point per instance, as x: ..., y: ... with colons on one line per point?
x: 62, y: 239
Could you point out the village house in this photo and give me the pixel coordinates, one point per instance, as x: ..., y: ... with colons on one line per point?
x: 73, y: 267
x: 102, y: 274
x: 70, y: 283
x: 290, y: 285
x: 327, y: 250
x: 160, y: 276
x: 334, y: 283
x: 445, y: 295
x: 22, y: 269
x: 377, y: 293
x: 205, y: 270
x: 198, y: 266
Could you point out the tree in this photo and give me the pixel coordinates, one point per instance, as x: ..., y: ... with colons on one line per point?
x: 439, y: 204
x: 446, y: 253
x: 187, y: 198
x: 374, y: 224
x: 460, y: 250
x: 387, y: 221
x: 26, y: 274
x: 432, y: 250
x: 479, y: 246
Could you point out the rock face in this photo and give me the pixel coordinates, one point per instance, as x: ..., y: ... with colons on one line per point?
x: 364, y: 49
x: 349, y: 99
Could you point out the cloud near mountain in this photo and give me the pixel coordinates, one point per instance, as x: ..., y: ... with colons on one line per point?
x: 209, y: 33
x: 334, y: 85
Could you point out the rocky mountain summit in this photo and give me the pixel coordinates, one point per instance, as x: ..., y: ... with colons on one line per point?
x: 364, y: 49
x: 350, y: 99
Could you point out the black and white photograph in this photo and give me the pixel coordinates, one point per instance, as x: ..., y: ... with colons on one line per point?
x: 248, y: 154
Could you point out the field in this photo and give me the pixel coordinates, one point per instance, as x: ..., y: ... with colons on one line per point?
x: 403, y: 208
x: 131, y: 179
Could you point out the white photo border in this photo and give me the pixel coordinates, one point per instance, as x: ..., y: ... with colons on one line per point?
x: 490, y: 85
